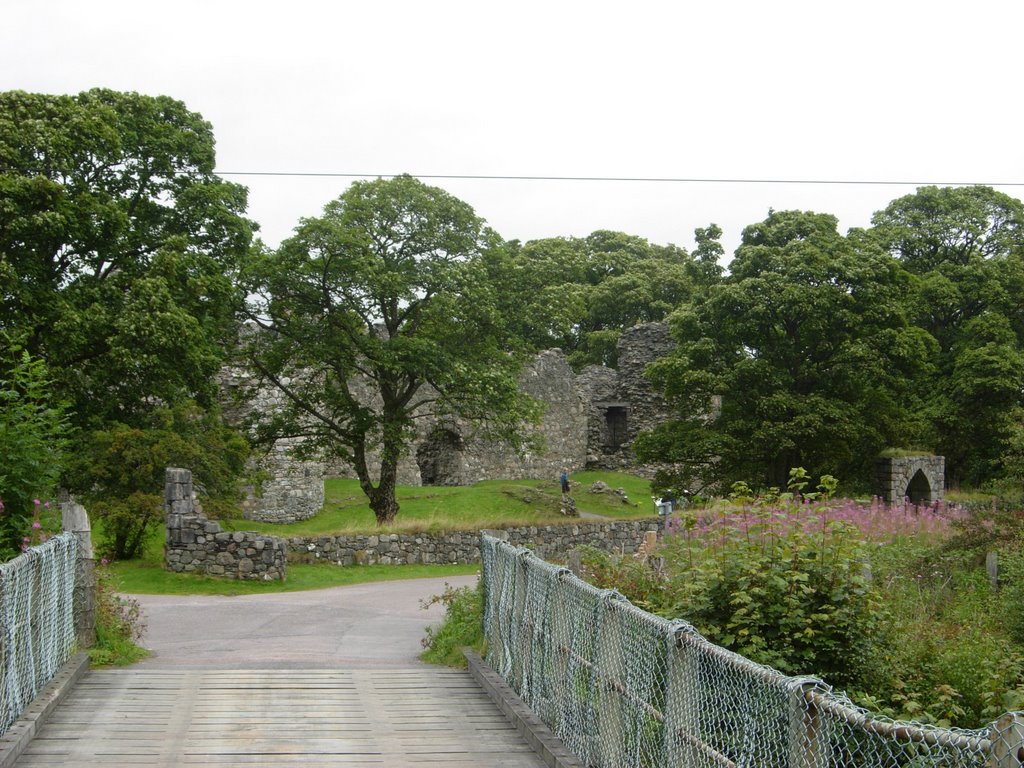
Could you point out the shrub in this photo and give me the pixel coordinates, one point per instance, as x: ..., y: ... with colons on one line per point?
x: 462, y: 626
x: 783, y: 586
x: 776, y: 578
x: 120, y: 471
x: 946, y: 657
x: 119, y: 624
x: 33, y: 430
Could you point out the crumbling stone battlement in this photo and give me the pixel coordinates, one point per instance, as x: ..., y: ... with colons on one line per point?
x: 198, y: 545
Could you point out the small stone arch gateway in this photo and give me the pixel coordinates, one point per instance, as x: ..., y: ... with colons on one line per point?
x: 922, y: 479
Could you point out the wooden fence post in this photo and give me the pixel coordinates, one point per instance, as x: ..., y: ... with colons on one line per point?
x: 74, y: 519
x: 682, y: 700
x: 805, y: 749
x: 992, y: 568
x: 1007, y: 737
x: 609, y: 669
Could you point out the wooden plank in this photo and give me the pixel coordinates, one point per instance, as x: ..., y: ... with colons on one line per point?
x: 366, y: 717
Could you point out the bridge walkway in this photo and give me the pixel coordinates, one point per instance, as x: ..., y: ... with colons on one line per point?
x: 326, y: 678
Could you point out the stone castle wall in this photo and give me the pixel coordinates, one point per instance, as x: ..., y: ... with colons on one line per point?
x: 621, y: 403
x: 198, y: 545
x: 588, y: 421
x: 289, y: 489
x: 450, y: 453
x: 619, y: 536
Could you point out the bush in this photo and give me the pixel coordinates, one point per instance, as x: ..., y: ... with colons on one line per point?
x: 773, y: 578
x: 119, y: 624
x: 947, y: 657
x: 33, y: 431
x: 120, y: 471
x: 462, y: 626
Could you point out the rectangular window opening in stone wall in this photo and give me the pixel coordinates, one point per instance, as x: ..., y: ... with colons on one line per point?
x: 617, y: 426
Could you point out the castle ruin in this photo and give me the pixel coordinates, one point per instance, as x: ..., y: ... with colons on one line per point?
x: 589, y: 421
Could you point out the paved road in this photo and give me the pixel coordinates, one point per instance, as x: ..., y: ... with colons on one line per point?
x: 360, y: 626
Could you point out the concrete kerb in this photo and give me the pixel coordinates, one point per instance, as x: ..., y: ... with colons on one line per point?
x: 548, y: 746
x: 17, y: 738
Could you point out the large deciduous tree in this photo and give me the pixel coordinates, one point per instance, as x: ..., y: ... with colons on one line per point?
x: 375, y: 313
x: 118, y: 247
x: 119, y: 253
x: 800, y: 357
x: 965, y: 248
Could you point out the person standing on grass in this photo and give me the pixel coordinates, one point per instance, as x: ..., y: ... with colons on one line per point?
x: 565, y: 480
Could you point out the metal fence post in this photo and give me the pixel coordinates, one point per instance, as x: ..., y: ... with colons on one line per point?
x: 75, y: 519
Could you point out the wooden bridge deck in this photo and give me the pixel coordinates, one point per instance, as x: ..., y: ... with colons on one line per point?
x: 278, y: 717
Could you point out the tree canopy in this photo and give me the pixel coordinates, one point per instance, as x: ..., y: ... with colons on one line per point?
x: 579, y: 294
x: 802, y: 356
x: 379, y: 312
x: 119, y: 258
x: 965, y: 248
x: 118, y: 247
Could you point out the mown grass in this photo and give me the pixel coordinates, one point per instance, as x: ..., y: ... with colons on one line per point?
x: 146, y: 575
x: 488, y: 504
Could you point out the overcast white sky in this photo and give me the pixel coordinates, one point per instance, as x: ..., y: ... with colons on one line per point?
x: 874, y: 90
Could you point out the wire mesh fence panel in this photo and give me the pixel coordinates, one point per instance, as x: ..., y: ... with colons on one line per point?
x: 624, y: 688
x: 37, y: 622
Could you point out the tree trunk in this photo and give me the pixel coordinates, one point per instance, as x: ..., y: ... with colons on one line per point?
x: 383, y: 501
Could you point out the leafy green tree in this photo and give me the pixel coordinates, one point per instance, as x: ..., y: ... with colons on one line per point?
x: 542, y: 291
x: 800, y: 357
x: 118, y: 248
x: 33, y: 439
x: 119, y: 255
x: 579, y: 294
x: 119, y: 471
x: 965, y: 247
x: 377, y: 312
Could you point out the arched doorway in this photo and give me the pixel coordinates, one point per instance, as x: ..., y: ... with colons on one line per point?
x: 919, y: 490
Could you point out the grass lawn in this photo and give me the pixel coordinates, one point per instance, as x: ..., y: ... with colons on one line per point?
x: 488, y: 504
x: 146, y: 575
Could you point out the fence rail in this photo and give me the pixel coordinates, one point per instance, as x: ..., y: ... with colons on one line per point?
x: 37, y: 622
x: 622, y: 687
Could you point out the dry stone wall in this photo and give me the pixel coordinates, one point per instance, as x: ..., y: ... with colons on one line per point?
x: 619, y: 536
x: 198, y: 545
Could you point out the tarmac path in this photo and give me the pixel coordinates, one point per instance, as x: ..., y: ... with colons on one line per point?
x: 360, y: 626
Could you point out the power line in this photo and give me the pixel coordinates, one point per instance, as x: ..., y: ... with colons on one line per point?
x: 645, y: 179
x: 629, y: 179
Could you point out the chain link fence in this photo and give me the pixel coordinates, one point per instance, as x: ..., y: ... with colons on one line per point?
x: 37, y: 622
x: 622, y: 687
